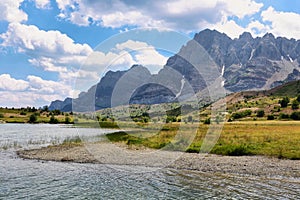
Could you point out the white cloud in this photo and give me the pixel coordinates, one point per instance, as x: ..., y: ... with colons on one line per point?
x: 11, y: 84
x: 30, y: 39
x: 282, y: 23
x: 50, y: 50
x: 230, y: 27
x: 79, y: 19
x: 242, y: 8
x: 42, y: 4
x: 179, y: 14
x: 10, y: 11
x: 124, y: 55
x: 34, y: 91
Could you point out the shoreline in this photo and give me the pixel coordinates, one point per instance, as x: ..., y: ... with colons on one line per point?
x: 112, y: 154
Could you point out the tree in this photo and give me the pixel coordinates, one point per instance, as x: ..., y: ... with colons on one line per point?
x: 32, y: 118
x: 298, y: 98
x: 190, y: 118
x: 284, y: 102
x: 53, y: 120
x: 295, y: 105
x: 260, y: 113
x: 68, y: 120
x: 207, y: 121
x: 295, y: 116
x: 46, y: 108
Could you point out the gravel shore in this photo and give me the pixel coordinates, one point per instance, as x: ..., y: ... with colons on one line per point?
x: 108, y: 153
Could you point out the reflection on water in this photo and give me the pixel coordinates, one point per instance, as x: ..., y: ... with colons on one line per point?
x: 32, y: 179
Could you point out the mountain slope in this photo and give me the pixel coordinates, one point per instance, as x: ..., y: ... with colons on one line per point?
x: 245, y: 63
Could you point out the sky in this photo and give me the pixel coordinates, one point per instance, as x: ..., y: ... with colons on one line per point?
x: 53, y: 49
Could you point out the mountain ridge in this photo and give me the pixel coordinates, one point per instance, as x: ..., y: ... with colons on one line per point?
x: 244, y: 63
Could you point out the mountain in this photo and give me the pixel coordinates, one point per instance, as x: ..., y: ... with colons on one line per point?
x: 240, y: 64
x: 64, y: 106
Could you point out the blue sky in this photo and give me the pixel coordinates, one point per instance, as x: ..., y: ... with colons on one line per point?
x: 53, y: 49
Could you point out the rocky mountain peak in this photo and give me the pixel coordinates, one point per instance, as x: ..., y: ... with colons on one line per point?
x: 245, y: 36
x: 245, y: 63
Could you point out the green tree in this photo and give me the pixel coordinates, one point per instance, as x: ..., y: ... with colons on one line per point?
x: 260, y: 113
x: 32, y: 118
x: 190, y: 118
x: 295, y: 105
x: 298, y: 98
x: 53, y: 120
x: 67, y: 120
x: 207, y: 121
x: 284, y: 102
x: 270, y: 117
x: 295, y: 116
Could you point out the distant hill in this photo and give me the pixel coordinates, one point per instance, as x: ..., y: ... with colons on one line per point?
x: 245, y: 63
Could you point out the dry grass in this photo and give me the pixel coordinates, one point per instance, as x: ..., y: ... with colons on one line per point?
x: 270, y: 138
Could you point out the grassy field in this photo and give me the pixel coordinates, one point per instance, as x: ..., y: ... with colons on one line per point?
x: 269, y: 138
x: 30, y: 115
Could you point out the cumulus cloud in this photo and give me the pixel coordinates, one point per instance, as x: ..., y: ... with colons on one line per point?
x: 124, y: 55
x: 10, y: 11
x: 11, y: 84
x: 282, y: 23
x: 179, y: 14
x: 30, y: 39
x: 50, y: 50
x: 33, y: 91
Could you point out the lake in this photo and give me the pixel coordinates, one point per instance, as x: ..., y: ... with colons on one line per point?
x: 32, y: 179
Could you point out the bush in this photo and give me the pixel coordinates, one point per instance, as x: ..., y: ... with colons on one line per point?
x: 295, y: 116
x: 260, y: 113
x: 53, y: 120
x: 270, y: 117
x: 67, y: 120
x: 207, y: 121
x: 233, y: 150
x: 295, y: 105
x: 284, y: 102
x: 298, y: 98
x: 283, y: 116
x: 32, y: 118
x: 1, y: 115
x: 241, y: 114
x: 23, y: 113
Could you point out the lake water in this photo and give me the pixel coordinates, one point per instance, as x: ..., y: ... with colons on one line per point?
x: 31, y: 179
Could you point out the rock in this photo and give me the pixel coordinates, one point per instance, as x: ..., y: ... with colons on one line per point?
x: 244, y: 63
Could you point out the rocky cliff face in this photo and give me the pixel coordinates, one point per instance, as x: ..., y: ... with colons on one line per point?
x: 64, y: 106
x: 245, y: 63
x: 252, y: 63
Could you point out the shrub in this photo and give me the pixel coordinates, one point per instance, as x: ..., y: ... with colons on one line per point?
x: 23, y: 113
x: 284, y: 102
x: 53, y: 120
x: 207, y: 121
x: 298, y: 98
x: 32, y: 118
x: 67, y: 120
x: 270, y: 117
x: 260, y: 113
x: 283, y: 116
x: 295, y: 105
x: 233, y: 149
x: 241, y: 114
x: 1, y: 115
x: 295, y: 116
